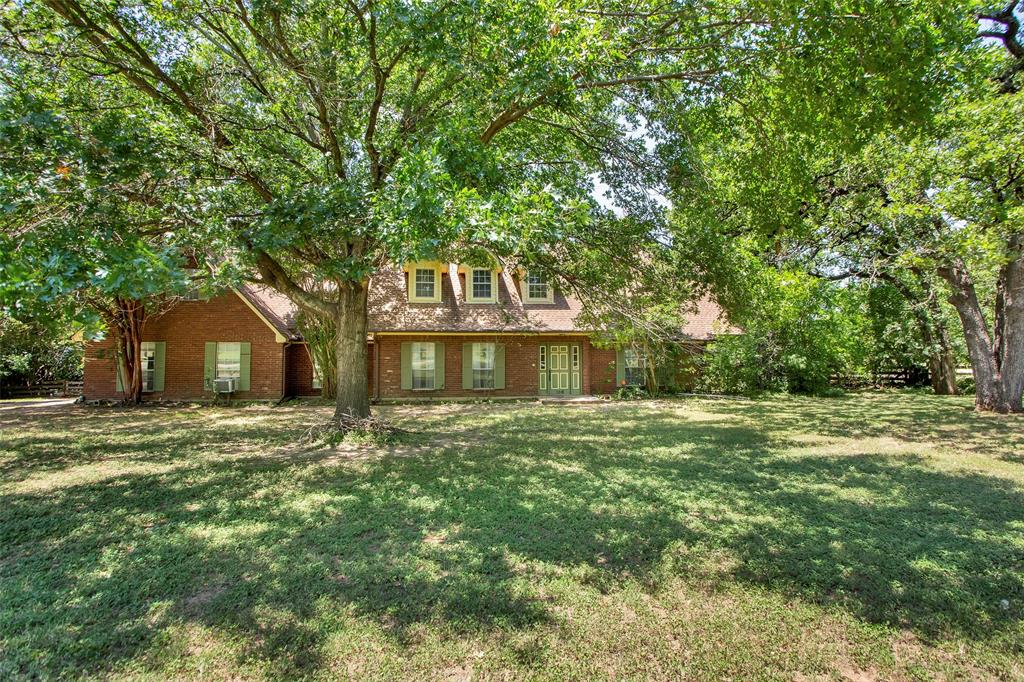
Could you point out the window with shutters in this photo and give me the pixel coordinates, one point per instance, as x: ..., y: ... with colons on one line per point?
x: 148, y: 358
x: 483, y: 365
x: 422, y: 357
x: 636, y: 366
x: 229, y: 360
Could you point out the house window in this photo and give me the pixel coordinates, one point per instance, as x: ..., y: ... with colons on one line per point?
x: 229, y: 360
x: 425, y: 283
x: 422, y: 366
x: 537, y: 288
x: 483, y: 365
x: 481, y: 285
x: 148, y: 358
x: 636, y: 366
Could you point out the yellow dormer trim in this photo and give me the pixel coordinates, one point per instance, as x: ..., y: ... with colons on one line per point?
x: 524, y: 283
x: 463, y: 268
x: 412, y: 269
x: 468, y: 270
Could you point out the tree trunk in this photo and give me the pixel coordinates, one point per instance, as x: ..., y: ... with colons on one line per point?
x: 1009, y: 340
x: 320, y: 333
x: 942, y: 372
x: 353, y: 396
x: 941, y: 362
x: 988, y: 395
x: 127, y: 320
x: 933, y: 331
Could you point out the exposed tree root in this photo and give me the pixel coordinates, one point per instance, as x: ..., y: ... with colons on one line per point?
x: 335, y: 430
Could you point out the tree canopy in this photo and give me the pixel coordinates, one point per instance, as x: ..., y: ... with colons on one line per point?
x: 312, y: 142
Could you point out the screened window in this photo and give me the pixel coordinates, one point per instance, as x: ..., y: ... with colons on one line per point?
x: 537, y: 288
x: 148, y: 357
x: 483, y: 365
x: 425, y: 283
x: 483, y: 284
x: 229, y: 360
x: 636, y: 365
x: 422, y: 366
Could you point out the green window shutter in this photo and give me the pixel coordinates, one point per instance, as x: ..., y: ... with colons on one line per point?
x: 438, y: 366
x: 620, y: 367
x: 406, y: 366
x: 245, y: 356
x: 158, y: 368
x: 210, y: 365
x: 467, y: 366
x: 499, y: 365
x: 118, y: 369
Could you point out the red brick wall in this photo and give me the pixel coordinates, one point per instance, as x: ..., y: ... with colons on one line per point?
x: 99, y: 377
x: 278, y: 369
x: 602, y: 370
x: 300, y: 371
x: 185, y: 329
x: 521, y: 374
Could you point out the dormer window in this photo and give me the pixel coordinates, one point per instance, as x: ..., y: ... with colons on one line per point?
x: 537, y: 289
x: 481, y: 286
x: 424, y: 283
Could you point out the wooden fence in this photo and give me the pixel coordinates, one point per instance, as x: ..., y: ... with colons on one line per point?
x: 46, y: 389
x: 893, y: 378
x: 884, y: 378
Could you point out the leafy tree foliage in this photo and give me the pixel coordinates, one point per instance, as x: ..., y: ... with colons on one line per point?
x: 32, y: 352
x: 92, y: 217
x: 331, y: 138
x: 931, y: 210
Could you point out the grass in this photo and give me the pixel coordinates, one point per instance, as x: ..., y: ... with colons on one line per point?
x: 871, y: 536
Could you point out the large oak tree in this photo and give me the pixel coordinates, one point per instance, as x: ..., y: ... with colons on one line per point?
x: 341, y: 136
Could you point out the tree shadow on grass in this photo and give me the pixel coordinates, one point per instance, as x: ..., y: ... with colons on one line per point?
x: 154, y: 434
x: 903, y: 415
x: 278, y: 553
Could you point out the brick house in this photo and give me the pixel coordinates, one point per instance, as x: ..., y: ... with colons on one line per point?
x: 436, y: 331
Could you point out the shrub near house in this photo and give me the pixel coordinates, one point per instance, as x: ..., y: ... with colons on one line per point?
x: 437, y: 330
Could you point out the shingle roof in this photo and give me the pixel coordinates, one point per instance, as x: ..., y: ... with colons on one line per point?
x: 707, y: 321
x: 279, y: 310
x: 391, y: 311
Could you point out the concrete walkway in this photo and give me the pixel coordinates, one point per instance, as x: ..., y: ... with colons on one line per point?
x: 36, y: 405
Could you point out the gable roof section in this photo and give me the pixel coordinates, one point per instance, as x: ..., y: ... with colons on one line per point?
x: 391, y: 311
x: 274, y: 308
x: 707, y: 321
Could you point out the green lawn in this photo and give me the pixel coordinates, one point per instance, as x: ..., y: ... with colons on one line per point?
x: 872, y: 536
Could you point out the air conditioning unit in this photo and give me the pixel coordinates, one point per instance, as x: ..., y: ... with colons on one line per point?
x: 224, y: 385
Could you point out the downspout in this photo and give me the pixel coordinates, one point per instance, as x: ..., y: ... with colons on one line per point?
x: 284, y: 370
x: 376, y: 369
